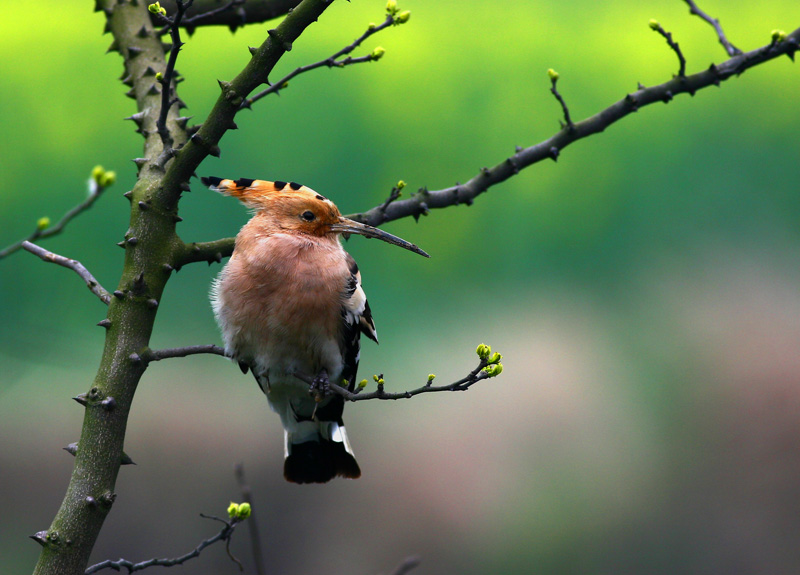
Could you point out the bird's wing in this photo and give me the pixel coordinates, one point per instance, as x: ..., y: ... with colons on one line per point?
x: 356, y: 319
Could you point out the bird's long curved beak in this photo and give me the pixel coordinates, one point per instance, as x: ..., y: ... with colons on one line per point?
x: 346, y: 226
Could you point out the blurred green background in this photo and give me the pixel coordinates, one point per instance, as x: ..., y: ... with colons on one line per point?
x: 644, y: 291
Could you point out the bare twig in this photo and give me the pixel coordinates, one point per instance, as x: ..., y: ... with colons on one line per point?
x: 209, y: 12
x: 95, y: 190
x: 463, y: 384
x: 407, y: 565
x: 255, y: 538
x: 672, y: 44
x: 158, y: 355
x: 554, y: 80
x: 331, y: 62
x: 76, y: 266
x: 225, y: 534
x: 202, y: 17
x: 167, y: 80
x: 729, y: 48
x: 393, y: 196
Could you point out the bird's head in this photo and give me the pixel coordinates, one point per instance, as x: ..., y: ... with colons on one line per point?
x: 295, y: 208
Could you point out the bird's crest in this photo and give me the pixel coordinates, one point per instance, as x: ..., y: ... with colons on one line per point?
x: 294, y: 208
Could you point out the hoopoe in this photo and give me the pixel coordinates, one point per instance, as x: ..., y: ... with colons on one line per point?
x: 289, y: 303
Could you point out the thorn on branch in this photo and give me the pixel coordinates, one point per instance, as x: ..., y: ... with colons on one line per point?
x: 655, y: 26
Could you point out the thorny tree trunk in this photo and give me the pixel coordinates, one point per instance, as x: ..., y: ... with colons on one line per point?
x: 152, y: 251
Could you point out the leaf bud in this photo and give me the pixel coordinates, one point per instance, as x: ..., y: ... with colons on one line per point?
x: 43, y: 223
x: 778, y: 35
x: 496, y: 357
x: 233, y: 509
x: 403, y: 17
x: 400, y: 185
x: 483, y: 351
x: 155, y: 8
x: 391, y: 6
x: 431, y: 377
x: 654, y: 25
x: 493, y: 370
x: 97, y: 173
x: 362, y: 384
x: 378, y: 53
x: 243, y: 511
x: 108, y: 179
x: 552, y: 74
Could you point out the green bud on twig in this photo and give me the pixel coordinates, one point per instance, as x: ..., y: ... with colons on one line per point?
x: 483, y: 351
x: 403, y: 17
x: 401, y: 184
x: 552, y: 74
x: 362, y: 384
x: 391, y: 7
x: 377, y: 53
x: 239, y: 511
x: 431, y: 377
x: 778, y: 36
x: 43, y: 223
x: 654, y: 25
x: 156, y: 8
x: 244, y: 511
x: 496, y: 357
x: 493, y: 370
x: 108, y: 179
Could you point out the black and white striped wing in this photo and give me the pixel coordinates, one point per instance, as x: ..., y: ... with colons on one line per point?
x: 356, y: 319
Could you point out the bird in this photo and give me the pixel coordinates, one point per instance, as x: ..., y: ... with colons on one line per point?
x: 291, y: 310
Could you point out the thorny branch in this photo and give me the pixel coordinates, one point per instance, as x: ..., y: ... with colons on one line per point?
x: 225, y: 534
x: 729, y: 48
x: 76, y: 266
x: 331, y: 62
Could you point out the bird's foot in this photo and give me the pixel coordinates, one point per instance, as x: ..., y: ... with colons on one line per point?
x: 320, y: 387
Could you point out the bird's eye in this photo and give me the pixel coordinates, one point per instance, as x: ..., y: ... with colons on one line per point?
x: 308, y: 216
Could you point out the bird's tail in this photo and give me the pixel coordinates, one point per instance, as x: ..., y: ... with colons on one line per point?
x: 317, y: 451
